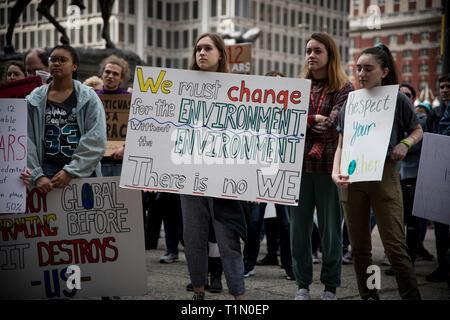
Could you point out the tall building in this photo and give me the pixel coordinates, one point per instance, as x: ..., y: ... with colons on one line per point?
x: 410, y: 28
x: 162, y: 33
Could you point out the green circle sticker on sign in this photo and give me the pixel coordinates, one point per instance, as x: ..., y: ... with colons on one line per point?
x: 351, y: 167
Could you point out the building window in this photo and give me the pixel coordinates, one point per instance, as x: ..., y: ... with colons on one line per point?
x: 285, y: 17
x: 185, y: 63
x: 150, y: 61
x: 261, y: 12
x: 392, y: 39
x: 407, y: 68
x: 159, y: 10
x: 82, y: 35
x: 376, y: 40
x: 276, y: 43
x: 130, y: 6
x: 121, y: 32
x: 300, y: 46
x: 425, y: 36
x: 269, y: 66
x: 408, y: 37
x: 186, y: 39
x: 150, y: 10
x: 236, y: 8
x: 224, y: 7
x: 423, y: 53
x: 407, y: 54
x: 176, y: 40
x: 423, y: 68
x: 131, y: 33
x: 185, y: 10
x: 177, y: 12
x: 269, y: 41
x: 423, y: 84
x: 168, y: 11
x: 270, y: 13
x: 253, y: 10
x: 213, y: 8
x: 159, y: 38
x: 159, y: 62
x: 245, y: 8
x: 439, y: 68
x: 292, y: 46
x: 194, y: 36
x: 149, y: 37
x: 194, y: 14
x: 168, y: 39
x: 90, y: 33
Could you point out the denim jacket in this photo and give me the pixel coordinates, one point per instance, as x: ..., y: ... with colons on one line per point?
x: 91, y: 122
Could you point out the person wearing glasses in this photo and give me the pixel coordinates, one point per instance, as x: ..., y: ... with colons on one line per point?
x: 66, y: 126
x: 409, y: 91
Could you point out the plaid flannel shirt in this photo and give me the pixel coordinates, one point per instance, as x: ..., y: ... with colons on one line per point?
x: 331, y: 105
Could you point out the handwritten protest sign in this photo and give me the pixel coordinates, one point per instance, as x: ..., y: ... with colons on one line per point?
x: 216, y: 134
x: 92, y: 224
x: 13, y: 154
x: 117, y: 108
x: 19, y: 88
x: 240, y: 58
x: 369, y: 115
x: 431, y: 198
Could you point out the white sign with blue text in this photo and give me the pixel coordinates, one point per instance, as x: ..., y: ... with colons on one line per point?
x: 369, y: 115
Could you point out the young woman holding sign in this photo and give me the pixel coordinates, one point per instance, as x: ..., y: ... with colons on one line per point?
x: 376, y: 67
x: 200, y: 213
x: 66, y: 126
x: 329, y: 91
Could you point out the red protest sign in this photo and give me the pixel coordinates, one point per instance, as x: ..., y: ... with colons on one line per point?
x: 19, y: 88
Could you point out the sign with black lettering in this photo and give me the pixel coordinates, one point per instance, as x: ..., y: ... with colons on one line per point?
x: 117, y: 108
x: 214, y: 134
x: 91, y: 226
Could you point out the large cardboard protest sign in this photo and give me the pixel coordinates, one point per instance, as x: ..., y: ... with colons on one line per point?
x: 91, y: 224
x: 13, y: 154
x: 216, y: 134
x: 240, y: 58
x: 431, y: 198
x: 369, y: 115
x: 19, y: 88
x: 117, y: 108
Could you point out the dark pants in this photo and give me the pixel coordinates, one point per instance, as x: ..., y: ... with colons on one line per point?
x: 411, y: 222
x: 169, y: 206
x: 281, y: 225
x: 441, y: 233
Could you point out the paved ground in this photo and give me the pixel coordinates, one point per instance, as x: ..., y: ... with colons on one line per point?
x: 168, y: 281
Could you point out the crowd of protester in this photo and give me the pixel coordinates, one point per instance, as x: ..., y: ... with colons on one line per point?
x: 334, y: 216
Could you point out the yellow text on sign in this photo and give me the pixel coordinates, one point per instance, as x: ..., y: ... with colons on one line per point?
x: 154, y: 86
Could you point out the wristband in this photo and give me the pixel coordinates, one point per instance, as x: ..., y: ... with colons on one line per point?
x: 407, y: 143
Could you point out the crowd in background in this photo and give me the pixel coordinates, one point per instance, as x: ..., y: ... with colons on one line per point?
x: 334, y: 217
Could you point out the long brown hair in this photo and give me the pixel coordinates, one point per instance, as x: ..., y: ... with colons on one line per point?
x: 335, y: 74
x: 220, y: 45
